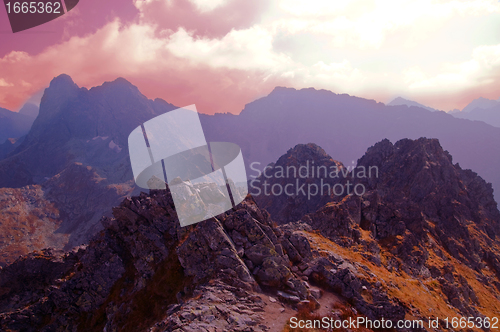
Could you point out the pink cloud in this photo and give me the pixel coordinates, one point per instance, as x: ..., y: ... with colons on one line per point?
x: 219, y: 58
x: 133, y: 52
x: 87, y: 17
x: 235, y: 14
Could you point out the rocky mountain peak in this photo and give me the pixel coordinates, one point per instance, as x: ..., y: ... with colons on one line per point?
x: 420, y: 169
x: 119, y: 86
x: 418, y: 196
x: 298, y: 183
x: 411, y: 156
x: 61, y: 90
x: 301, y: 153
x: 62, y: 81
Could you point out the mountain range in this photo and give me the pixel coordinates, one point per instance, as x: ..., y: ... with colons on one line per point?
x: 75, y: 158
x: 482, y: 109
x: 401, y: 101
x: 78, y: 145
x: 83, y: 249
x: 344, y: 126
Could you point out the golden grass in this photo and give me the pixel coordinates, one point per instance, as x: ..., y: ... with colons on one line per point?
x: 424, y: 295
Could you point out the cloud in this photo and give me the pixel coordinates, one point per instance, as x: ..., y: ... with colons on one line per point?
x: 208, y: 5
x: 136, y: 53
x: 249, y: 49
x: 3, y: 83
x: 458, y: 83
x: 202, y: 18
x: 482, y: 69
x: 366, y: 24
x: 225, y: 53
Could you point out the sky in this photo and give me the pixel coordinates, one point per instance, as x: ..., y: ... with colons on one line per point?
x: 223, y: 54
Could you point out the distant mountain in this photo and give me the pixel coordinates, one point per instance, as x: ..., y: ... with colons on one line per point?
x: 18, y: 125
x: 30, y: 109
x: 409, y: 103
x: 344, y: 126
x: 490, y: 115
x: 15, y: 125
x: 480, y: 102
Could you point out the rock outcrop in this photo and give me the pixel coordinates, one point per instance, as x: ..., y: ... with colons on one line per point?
x: 300, y: 182
x: 421, y: 216
x: 423, y: 209
x: 144, y: 254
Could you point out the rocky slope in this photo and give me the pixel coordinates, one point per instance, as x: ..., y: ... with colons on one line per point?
x: 145, y: 271
x: 59, y: 212
x: 417, y: 244
x: 420, y: 216
x: 142, y: 263
x: 28, y: 222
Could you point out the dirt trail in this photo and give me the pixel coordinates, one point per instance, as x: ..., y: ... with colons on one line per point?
x: 276, y: 314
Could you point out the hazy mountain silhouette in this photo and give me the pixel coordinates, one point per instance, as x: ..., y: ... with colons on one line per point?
x: 15, y: 125
x: 480, y: 103
x: 490, y: 115
x: 409, y: 103
x: 29, y: 109
x: 346, y: 125
x: 10, y: 145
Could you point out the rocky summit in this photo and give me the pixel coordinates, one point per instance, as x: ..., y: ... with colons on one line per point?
x: 298, y: 183
x: 419, y: 243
